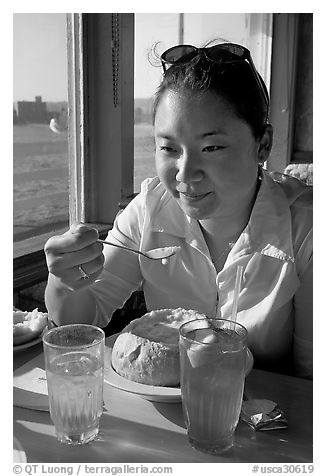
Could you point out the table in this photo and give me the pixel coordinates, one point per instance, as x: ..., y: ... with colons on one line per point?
x: 135, y: 430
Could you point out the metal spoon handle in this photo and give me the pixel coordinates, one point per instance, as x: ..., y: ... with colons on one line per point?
x: 125, y: 248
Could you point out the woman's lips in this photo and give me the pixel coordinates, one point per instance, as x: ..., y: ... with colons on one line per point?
x: 193, y: 196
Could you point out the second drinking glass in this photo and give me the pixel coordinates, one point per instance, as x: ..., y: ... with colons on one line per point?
x: 213, y: 357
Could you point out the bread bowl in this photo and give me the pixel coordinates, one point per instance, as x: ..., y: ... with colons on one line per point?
x: 147, y: 349
x: 27, y: 325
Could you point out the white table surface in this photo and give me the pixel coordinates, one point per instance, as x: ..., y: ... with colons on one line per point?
x: 133, y: 429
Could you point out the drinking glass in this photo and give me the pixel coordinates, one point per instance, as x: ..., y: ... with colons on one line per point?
x: 74, y: 364
x: 213, y: 356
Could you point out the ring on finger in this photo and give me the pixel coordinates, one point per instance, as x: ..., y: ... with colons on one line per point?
x: 84, y: 275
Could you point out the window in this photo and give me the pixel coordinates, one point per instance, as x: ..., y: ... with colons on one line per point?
x: 100, y: 129
x: 40, y: 153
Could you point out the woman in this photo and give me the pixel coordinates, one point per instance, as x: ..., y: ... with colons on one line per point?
x: 214, y: 200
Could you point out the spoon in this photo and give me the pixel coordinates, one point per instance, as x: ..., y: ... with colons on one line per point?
x: 156, y: 253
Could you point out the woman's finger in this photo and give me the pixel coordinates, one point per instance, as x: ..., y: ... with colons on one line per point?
x: 59, y: 262
x: 73, y: 279
x: 76, y: 238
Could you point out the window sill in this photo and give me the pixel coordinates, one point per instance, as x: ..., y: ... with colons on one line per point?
x: 30, y: 269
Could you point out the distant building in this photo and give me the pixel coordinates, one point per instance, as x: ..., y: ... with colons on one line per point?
x: 28, y: 111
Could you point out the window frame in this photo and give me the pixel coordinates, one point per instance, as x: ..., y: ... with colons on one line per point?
x: 102, y: 138
x: 283, y: 88
x: 101, y: 131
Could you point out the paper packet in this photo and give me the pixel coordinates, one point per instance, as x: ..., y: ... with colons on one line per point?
x: 262, y: 414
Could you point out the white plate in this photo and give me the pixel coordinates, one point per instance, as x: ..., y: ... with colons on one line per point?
x: 30, y: 343
x: 19, y: 453
x: 149, y: 392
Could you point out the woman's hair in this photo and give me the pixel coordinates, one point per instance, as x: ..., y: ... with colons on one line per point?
x: 234, y: 82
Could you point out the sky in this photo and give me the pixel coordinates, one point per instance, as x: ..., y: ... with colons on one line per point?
x: 40, y: 56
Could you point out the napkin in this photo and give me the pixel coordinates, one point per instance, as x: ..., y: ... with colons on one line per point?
x: 261, y: 414
x: 30, y: 385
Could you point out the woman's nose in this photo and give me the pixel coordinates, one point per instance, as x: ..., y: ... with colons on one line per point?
x: 188, y: 169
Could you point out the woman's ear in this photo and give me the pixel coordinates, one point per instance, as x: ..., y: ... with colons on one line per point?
x: 265, y: 144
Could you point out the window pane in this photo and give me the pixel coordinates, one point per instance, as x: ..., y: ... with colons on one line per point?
x: 40, y: 161
x: 249, y: 29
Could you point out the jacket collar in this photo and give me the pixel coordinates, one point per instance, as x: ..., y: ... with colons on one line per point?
x: 269, y: 230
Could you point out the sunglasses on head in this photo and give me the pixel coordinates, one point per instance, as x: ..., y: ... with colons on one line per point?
x: 224, y: 53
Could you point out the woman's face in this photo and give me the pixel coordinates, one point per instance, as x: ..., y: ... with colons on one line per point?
x: 206, y: 157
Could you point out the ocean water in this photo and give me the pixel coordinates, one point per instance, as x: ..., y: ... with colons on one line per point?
x: 40, y: 175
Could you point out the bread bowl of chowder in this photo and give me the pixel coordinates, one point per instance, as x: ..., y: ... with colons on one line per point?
x: 28, y: 325
x: 147, y: 349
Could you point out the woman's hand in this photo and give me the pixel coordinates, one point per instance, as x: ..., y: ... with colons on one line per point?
x: 75, y: 258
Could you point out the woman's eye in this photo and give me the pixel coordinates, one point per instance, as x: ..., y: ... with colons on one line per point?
x: 165, y: 148
x: 212, y: 148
